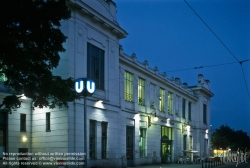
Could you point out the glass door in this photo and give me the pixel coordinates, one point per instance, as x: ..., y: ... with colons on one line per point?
x: 130, y: 145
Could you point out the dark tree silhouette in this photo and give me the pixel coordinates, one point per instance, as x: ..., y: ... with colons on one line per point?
x: 31, y: 41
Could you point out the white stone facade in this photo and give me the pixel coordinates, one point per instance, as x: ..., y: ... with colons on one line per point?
x: 94, y: 22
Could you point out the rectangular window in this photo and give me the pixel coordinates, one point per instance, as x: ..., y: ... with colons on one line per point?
x: 204, y: 113
x: 104, y: 139
x: 142, y: 144
x: 92, y: 139
x: 95, y: 65
x: 128, y: 86
x: 141, y: 92
x: 23, y: 122
x: 166, y: 133
x: 170, y: 103
x: 47, y: 121
x: 162, y: 100
x: 185, y: 144
x: 177, y: 104
x: 189, y: 111
x: 183, y: 108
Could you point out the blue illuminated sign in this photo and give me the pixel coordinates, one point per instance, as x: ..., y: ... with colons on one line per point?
x: 85, y: 86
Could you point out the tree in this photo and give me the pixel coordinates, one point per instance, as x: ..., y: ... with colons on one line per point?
x: 224, y: 137
x: 31, y: 41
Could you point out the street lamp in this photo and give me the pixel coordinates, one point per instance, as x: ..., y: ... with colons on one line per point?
x: 149, y: 118
x: 85, y: 87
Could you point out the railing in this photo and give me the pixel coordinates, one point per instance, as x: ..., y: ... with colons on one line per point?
x: 212, y: 162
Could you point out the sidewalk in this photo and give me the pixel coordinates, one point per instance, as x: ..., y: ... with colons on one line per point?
x: 177, y: 166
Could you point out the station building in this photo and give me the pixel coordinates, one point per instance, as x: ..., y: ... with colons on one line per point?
x: 137, y: 116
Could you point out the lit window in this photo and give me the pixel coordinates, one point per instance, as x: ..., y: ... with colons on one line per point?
x: 128, y: 86
x: 95, y: 65
x: 141, y: 92
x: 162, y: 100
x: 142, y: 144
x: 170, y: 103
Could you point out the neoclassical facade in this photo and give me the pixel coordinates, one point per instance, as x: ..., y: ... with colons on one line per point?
x: 122, y: 129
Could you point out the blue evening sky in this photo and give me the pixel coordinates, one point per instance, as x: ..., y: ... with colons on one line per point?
x: 169, y: 35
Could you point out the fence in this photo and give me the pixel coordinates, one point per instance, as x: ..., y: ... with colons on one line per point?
x: 212, y: 162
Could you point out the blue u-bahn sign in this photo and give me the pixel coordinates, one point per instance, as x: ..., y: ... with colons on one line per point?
x: 85, y: 86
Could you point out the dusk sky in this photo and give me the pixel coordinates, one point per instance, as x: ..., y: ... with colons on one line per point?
x: 169, y: 35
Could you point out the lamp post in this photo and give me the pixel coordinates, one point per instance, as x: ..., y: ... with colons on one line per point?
x: 85, y: 87
x: 149, y: 118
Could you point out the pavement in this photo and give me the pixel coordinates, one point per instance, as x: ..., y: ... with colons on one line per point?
x: 180, y: 166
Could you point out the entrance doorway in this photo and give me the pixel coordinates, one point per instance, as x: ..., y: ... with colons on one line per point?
x: 166, y: 148
x: 130, y: 145
x: 166, y: 144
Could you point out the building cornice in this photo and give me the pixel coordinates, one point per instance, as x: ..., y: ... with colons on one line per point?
x: 97, y: 17
x: 132, y: 62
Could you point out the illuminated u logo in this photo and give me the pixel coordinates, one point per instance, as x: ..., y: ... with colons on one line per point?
x: 90, y: 86
x: 85, y: 86
x: 79, y: 86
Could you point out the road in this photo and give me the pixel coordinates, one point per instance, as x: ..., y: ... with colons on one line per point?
x: 233, y: 165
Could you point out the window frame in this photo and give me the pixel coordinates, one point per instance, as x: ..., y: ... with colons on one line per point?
x: 183, y: 108
x: 189, y: 111
x: 104, y: 139
x: 142, y: 143
x: 128, y: 86
x: 48, y: 122
x: 170, y: 103
x: 92, y: 139
x: 162, y: 100
x: 22, y: 122
x: 204, y: 113
x: 96, y: 65
x: 141, y: 91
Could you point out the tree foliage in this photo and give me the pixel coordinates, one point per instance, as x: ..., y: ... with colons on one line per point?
x: 224, y: 137
x: 31, y: 41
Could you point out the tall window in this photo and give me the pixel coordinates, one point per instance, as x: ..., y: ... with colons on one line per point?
x: 204, y: 113
x: 23, y: 122
x: 92, y: 139
x: 95, y: 66
x: 184, y: 143
x: 170, y: 103
x: 162, y: 100
x: 177, y: 104
x: 104, y: 139
x: 141, y: 92
x: 142, y: 143
x: 189, y: 111
x: 47, y: 121
x: 183, y: 108
x: 128, y: 86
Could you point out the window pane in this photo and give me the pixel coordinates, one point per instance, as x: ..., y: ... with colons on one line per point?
x: 95, y: 65
x: 141, y: 92
x: 170, y: 103
x: 142, y: 144
x: 162, y: 100
x: 22, y: 122
x: 104, y: 139
x: 128, y: 86
x: 92, y: 138
x: 47, y: 121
